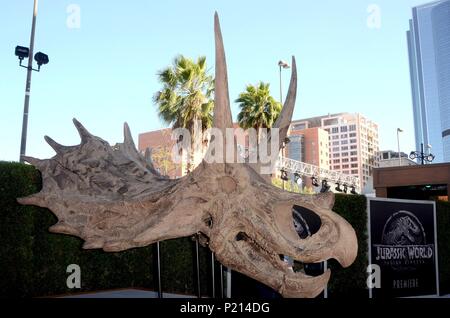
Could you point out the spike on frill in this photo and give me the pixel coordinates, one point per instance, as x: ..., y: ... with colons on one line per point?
x: 127, y: 138
x: 34, y: 161
x: 85, y: 135
x: 59, y: 149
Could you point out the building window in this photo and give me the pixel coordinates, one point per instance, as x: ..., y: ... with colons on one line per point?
x: 336, y: 161
x: 344, y: 142
x: 343, y: 129
x: 353, y: 141
x: 353, y: 153
x: 353, y: 159
x: 336, y: 155
x: 354, y: 165
x: 336, y: 167
x: 344, y: 136
x: 344, y: 148
x: 354, y: 171
x: 334, y: 130
x: 345, y: 167
x: 345, y: 154
x: 345, y: 160
x: 352, y: 135
x: 334, y: 137
x: 352, y: 128
x: 335, y: 143
x: 353, y: 147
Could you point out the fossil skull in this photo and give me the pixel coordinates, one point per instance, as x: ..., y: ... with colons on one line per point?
x: 114, y: 199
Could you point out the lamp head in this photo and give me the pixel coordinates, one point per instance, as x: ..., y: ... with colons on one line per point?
x: 283, y: 64
x: 22, y: 52
x: 41, y: 58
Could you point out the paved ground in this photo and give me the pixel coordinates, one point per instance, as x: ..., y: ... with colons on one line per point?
x: 127, y: 293
x: 138, y: 293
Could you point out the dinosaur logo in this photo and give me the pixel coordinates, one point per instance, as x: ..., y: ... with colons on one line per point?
x: 403, y: 242
x: 403, y: 228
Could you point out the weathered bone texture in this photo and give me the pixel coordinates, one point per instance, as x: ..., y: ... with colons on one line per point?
x: 114, y: 199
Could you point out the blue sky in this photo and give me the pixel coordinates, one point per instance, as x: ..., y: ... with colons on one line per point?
x: 104, y: 72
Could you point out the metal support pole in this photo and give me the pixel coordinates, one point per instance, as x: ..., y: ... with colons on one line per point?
x: 228, y: 283
x: 213, y: 276
x: 398, y: 145
x: 158, y: 269
x: 23, y: 142
x: 197, y: 268
x: 422, y: 154
x: 221, y: 280
x: 281, y: 90
x: 325, y: 267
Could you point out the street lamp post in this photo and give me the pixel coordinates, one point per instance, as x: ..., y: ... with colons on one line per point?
x: 398, y: 144
x: 41, y: 59
x: 424, y: 158
x: 282, y: 64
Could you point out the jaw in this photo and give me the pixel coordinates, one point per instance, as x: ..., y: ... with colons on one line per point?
x: 253, y: 257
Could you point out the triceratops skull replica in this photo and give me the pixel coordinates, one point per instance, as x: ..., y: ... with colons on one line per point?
x: 114, y: 199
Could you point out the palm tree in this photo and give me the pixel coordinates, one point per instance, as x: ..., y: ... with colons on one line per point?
x: 258, y: 108
x: 186, y: 95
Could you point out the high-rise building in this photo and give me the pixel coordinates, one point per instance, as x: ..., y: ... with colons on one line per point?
x: 353, y: 142
x: 429, y: 60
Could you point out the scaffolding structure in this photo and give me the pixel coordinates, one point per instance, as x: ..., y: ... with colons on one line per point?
x: 309, y: 170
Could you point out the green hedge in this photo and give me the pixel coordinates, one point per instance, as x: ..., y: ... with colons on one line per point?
x: 33, y: 261
x: 351, y: 280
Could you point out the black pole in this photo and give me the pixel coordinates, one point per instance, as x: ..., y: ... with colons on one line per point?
x: 422, y: 155
x: 213, y: 276
x: 158, y: 269
x: 197, y: 268
x: 221, y: 281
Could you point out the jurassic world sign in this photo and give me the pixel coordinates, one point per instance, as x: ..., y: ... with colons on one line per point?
x: 403, y: 248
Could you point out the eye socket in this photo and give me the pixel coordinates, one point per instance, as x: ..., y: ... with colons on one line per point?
x: 241, y: 236
x: 209, y: 222
x: 306, y: 222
